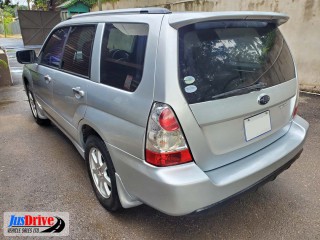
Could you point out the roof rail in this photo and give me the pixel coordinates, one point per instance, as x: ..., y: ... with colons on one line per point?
x: 149, y: 10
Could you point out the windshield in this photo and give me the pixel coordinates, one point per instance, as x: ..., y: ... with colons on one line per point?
x: 222, y: 56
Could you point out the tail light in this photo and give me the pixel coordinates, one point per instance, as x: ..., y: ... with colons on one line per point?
x: 165, y: 142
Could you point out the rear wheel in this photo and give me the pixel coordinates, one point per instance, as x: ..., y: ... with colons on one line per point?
x: 102, y: 173
x: 34, y: 110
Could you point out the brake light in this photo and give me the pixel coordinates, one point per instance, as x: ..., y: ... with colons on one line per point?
x: 168, y: 159
x: 168, y: 121
x: 165, y: 142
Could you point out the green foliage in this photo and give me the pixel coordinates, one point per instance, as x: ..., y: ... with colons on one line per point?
x: 43, y: 4
x: 7, y: 20
x: 22, y: 7
x: 7, y: 12
x: 90, y: 3
x: 3, y: 64
x: 40, y: 4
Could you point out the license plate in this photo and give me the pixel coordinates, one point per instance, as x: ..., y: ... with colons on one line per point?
x: 257, y: 125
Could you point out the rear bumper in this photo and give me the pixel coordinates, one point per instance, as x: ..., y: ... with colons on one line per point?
x: 256, y: 185
x: 180, y: 190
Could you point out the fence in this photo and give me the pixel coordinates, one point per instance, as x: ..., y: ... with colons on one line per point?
x: 12, y: 28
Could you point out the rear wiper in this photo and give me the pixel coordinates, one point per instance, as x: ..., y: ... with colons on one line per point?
x: 242, y: 70
x: 250, y: 88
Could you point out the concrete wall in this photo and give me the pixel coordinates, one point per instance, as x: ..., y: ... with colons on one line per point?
x: 5, y: 76
x: 302, y: 31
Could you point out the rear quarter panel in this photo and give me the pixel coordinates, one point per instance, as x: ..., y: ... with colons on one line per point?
x: 120, y: 117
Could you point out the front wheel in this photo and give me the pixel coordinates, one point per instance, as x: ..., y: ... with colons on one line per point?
x: 102, y: 173
x: 34, y: 110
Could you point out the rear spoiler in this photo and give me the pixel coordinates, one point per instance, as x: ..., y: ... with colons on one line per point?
x: 178, y: 20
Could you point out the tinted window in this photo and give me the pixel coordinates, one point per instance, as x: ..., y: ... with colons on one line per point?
x: 78, y: 50
x: 116, y: 41
x: 52, y: 52
x: 217, y: 59
x: 122, y: 56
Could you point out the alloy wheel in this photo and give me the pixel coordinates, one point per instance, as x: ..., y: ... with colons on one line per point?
x: 99, y: 171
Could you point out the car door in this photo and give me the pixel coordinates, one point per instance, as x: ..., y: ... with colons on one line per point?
x: 70, y: 84
x: 48, y: 63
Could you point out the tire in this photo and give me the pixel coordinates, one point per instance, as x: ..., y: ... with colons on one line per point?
x: 102, y: 173
x: 34, y: 110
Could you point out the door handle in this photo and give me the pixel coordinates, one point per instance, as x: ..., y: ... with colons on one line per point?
x: 47, y: 78
x: 78, y: 92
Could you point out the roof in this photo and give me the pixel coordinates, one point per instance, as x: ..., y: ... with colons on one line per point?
x: 70, y: 3
x: 148, y: 10
x: 179, y: 19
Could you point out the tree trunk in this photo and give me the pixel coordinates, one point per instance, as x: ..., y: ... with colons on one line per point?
x: 28, y: 3
x: 100, y: 5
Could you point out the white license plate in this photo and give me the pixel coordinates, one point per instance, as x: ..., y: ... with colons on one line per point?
x: 257, y: 125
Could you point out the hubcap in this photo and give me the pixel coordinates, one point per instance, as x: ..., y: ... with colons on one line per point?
x: 32, y: 105
x: 99, y: 172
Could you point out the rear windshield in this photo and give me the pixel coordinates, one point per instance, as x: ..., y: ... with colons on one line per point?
x: 227, y: 58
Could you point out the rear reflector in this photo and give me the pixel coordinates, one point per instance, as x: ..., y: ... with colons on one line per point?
x: 168, y: 159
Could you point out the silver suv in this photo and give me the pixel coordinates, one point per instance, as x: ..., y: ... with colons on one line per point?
x: 180, y: 111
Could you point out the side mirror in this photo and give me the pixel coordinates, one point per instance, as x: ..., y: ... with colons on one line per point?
x: 26, y: 56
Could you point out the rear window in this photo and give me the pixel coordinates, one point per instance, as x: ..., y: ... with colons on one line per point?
x: 228, y: 58
x: 122, y: 55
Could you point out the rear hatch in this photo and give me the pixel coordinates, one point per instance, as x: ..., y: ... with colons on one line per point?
x: 239, y: 80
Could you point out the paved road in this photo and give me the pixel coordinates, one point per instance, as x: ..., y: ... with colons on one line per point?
x: 11, y: 45
x: 40, y: 170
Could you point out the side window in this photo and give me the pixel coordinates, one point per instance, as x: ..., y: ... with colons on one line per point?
x: 78, y: 50
x: 122, y: 55
x: 52, y: 52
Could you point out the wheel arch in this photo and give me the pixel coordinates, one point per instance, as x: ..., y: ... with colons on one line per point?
x: 26, y: 82
x: 126, y: 199
x: 86, y: 130
x: 27, y: 78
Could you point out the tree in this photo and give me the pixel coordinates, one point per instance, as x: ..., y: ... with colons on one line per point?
x: 4, y: 3
x: 40, y: 4
x: 52, y: 4
x: 9, y: 10
x: 7, y: 14
x: 23, y: 7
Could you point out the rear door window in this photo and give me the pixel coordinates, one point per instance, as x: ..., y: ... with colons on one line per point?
x: 78, y: 50
x: 51, y: 54
x: 122, y: 55
x: 228, y: 58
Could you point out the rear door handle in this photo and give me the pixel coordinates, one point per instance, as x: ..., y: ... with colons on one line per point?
x: 47, y: 78
x: 78, y: 92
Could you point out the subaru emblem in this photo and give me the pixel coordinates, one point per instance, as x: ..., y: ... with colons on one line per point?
x: 263, y: 100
